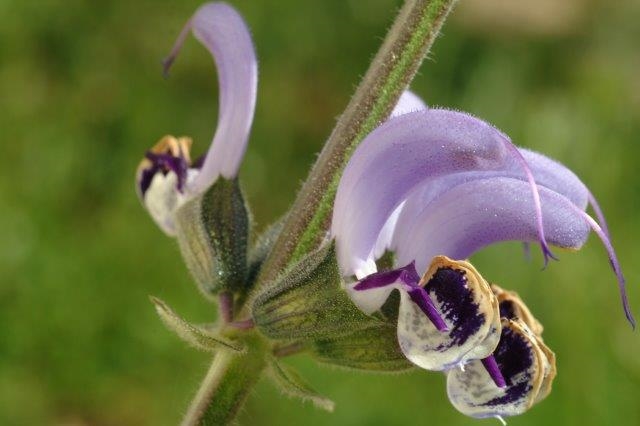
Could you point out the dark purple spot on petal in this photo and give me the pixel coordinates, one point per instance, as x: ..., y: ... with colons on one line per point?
x: 507, y: 310
x: 449, y: 286
x: 146, y: 178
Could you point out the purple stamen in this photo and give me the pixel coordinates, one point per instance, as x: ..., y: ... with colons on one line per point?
x: 598, y: 211
x: 420, y: 297
x: 168, y: 61
x: 546, y: 251
x: 613, y: 261
x: 408, y: 276
x: 492, y: 368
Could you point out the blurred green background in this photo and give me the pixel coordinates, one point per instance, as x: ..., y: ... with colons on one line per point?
x: 82, y: 98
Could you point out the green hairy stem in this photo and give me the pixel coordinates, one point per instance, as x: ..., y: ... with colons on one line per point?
x: 396, y: 63
x: 227, y: 385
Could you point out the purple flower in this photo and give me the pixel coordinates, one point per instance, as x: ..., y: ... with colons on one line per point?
x: 166, y: 177
x: 440, y: 182
x: 432, y: 185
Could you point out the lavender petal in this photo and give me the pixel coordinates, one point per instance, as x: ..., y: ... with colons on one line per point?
x: 475, y: 214
x: 395, y: 158
x: 408, y: 102
x: 547, y: 173
x: 224, y: 33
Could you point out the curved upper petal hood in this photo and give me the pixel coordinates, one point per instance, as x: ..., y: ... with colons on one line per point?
x: 221, y: 29
x: 393, y: 159
x: 224, y: 33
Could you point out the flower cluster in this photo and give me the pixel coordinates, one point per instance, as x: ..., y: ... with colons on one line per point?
x: 432, y: 183
x: 430, y: 187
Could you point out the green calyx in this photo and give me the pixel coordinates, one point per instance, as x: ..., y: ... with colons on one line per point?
x: 374, y: 349
x: 309, y: 305
x: 308, y: 302
x: 212, y: 231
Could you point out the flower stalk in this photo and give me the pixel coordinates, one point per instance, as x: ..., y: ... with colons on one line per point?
x: 406, y: 45
x: 227, y: 385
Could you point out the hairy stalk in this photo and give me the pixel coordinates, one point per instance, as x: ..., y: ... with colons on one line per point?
x: 227, y: 385
x: 405, y: 46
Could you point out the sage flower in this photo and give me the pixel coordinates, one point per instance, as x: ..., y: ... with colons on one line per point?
x: 166, y: 177
x: 434, y: 185
x: 441, y: 182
